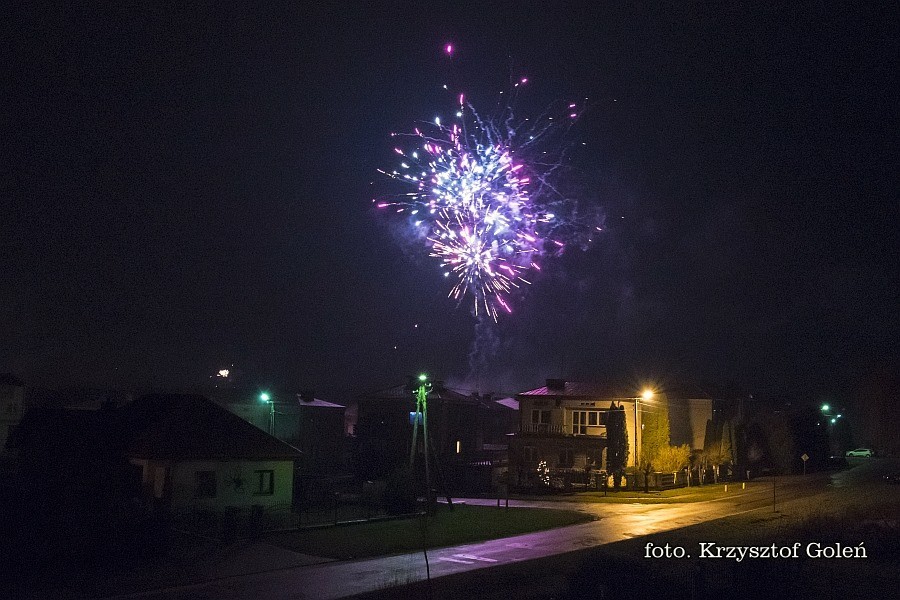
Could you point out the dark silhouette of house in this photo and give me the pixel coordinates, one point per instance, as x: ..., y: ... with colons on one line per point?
x: 465, y: 430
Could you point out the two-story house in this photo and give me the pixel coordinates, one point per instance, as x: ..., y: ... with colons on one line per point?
x: 563, y: 426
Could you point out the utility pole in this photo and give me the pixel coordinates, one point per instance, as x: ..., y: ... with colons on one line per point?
x: 421, y: 415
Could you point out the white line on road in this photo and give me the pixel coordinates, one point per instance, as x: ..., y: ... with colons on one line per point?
x: 456, y: 560
x: 473, y: 557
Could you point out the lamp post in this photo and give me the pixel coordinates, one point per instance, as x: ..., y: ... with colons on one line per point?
x: 647, y: 394
x: 422, y: 414
x: 265, y: 397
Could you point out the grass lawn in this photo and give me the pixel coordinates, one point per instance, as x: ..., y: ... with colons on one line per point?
x: 462, y: 525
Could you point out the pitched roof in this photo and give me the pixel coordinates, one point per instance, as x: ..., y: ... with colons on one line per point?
x: 190, y: 427
x: 510, y: 403
x: 405, y: 392
x: 574, y: 389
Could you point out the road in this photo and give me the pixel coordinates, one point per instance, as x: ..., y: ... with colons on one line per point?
x: 615, y: 522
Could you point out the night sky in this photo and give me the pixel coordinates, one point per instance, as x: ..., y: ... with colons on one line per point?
x: 189, y: 189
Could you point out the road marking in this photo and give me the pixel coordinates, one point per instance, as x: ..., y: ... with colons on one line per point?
x: 473, y: 557
x: 448, y: 559
x: 519, y: 545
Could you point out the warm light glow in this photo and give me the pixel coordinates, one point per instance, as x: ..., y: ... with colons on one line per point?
x: 647, y: 394
x: 223, y: 373
x: 458, y: 446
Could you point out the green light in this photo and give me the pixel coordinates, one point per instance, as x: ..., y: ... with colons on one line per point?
x: 825, y: 408
x: 834, y: 421
x: 264, y: 397
x: 423, y: 377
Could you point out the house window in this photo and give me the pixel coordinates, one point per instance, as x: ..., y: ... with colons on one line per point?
x: 540, y: 417
x: 204, y: 484
x: 265, y: 483
x: 540, y: 420
x: 566, y: 457
x: 583, y: 419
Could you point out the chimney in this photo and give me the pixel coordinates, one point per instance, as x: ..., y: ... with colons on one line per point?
x: 307, y: 396
x: 556, y: 385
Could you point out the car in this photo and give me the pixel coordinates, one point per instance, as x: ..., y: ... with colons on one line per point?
x: 860, y: 452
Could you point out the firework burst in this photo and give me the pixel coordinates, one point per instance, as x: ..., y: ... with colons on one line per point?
x: 483, y: 198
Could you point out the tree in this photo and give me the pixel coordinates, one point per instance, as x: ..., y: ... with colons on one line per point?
x: 673, y: 458
x: 617, y: 443
x: 654, y: 435
x: 719, y: 451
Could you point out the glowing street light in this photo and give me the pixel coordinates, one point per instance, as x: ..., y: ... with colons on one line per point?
x: 825, y: 408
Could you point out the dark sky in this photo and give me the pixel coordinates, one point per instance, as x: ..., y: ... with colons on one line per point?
x: 191, y: 188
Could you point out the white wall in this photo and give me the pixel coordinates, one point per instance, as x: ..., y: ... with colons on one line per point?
x: 228, y: 475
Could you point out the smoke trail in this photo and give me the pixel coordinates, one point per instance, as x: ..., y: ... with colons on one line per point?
x: 484, y: 349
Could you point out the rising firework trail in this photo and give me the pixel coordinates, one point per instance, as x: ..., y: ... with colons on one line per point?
x: 485, y: 199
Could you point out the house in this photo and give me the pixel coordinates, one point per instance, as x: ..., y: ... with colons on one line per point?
x: 312, y: 425
x: 385, y: 420
x: 12, y: 401
x: 194, y: 454
x: 563, y: 424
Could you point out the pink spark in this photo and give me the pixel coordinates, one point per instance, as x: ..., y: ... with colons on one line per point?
x: 448, y: 49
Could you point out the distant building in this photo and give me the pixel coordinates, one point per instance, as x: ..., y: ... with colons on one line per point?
x: 312, y: 425
x: 466, y: 430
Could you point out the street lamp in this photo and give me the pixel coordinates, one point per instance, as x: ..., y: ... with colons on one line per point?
x: 647, y: 394
x: 422, y: 415
x: 265, y: 397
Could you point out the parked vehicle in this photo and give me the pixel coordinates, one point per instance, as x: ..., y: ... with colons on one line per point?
x: 860, y: 452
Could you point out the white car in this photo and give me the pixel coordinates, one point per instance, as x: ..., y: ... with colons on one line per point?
x: 860, y: 452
